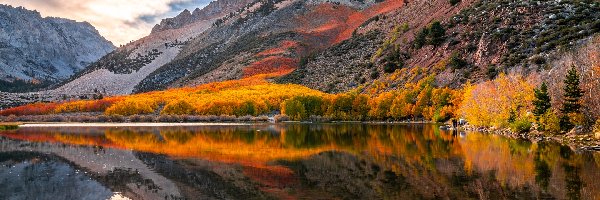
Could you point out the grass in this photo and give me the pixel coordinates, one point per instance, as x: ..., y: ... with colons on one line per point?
x: 8, y: 126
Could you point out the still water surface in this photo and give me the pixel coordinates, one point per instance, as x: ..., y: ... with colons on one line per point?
x: 287, y: 161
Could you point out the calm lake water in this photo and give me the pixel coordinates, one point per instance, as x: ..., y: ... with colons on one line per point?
x: 287, y: 161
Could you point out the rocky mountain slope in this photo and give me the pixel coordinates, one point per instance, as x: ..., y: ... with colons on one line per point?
x: 121, y: 70
x: 223, y: 41
x: 479, y: 40
x: 36, y: 51
x: 212, y: 10
x: 267, y: 37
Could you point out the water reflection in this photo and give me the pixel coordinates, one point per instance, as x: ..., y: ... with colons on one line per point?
x: 348, y: 161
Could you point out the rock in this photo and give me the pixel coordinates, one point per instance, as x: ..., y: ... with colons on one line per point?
x: 214, y: 9
x: 36, y: 49
x: 578, y: 130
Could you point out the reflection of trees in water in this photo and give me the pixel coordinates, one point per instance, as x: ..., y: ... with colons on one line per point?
x: 573, y: 182
x: 380, y: 157
x: 198, y: 182
x: 542, y: 173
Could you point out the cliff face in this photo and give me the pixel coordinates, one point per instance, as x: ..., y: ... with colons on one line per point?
x: 44, y: 50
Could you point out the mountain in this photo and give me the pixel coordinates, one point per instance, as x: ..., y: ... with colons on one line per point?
x: 216, y: 44
x: 479, y: 40
x: 337, y: 46
x: 213, y: 10
x: 36, y: 52
x: 121, y: 70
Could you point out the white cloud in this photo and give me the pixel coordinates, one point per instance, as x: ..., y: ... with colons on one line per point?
x: 117, y: 20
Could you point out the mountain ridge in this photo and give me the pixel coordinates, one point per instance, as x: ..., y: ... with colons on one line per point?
x: 39, y: 51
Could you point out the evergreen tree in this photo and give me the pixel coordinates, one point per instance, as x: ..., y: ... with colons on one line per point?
x: 573, y: 93
x: 436, y: 34
x: 421, y: 38
x: 572, y: 98
x: 542, y: 100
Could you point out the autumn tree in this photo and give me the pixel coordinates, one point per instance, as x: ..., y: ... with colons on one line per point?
x: 572, y: 98
x: 495, y: 103
x: 302, y: 107
x: 180, y: 107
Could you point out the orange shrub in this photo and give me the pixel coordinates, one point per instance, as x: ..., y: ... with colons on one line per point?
x: 87, y: 105
x: 132, y: 107
x: 31, y: 109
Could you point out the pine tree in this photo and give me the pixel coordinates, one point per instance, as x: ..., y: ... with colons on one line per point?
x: 436, y: 34
x: 542, y: 100
x: 572, y: 98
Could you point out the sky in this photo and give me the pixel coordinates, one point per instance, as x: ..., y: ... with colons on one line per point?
x: 119, y: 21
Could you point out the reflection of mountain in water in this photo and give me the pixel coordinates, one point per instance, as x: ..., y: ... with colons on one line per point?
x: 25, y: 175
x: 351, y: 161
x: 116, y: 170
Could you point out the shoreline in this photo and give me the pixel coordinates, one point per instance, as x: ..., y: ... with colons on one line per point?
x: 126, y: 124
x: 577, y: 142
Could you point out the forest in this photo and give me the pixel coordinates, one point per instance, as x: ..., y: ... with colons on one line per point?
x: 509, y: 101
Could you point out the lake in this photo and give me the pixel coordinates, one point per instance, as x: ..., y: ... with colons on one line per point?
x: 287, y: 161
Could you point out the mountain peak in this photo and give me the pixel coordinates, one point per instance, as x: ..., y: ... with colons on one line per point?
x: 213, y: 10
x: 44, y: 49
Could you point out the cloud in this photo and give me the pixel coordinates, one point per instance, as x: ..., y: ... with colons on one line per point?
x: 120, y: 21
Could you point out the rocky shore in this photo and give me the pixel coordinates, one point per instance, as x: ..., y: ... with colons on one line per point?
x: 576, y: 140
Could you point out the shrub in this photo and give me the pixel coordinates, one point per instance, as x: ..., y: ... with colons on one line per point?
x: 227, y: 118
x: 374, y: 74
x: 8, y: 127
x: 179, y: 107
x: 53, y: 118
x: 262, y: 118
x: 492, y: 72
x: 192, y: 118
x: 404, y: 27
x: 103, y: 118
x: 421, y: 38
x: 596, y: 127
x: 538, y: 60
x: 135, y: 118
x: 549, y: 122
x: 456, y: 62
x: 148, y: 118
x: 301, y: 107
x: 31, y: 109
x: 578, y: 119
x: 246, y: 108
x: 116, y: 118
x: 436, y: 33
x: 281, y: 118
x: 454, y: 2
x: 520, y: 126
x: 131, y: 107
x: 170, y: 118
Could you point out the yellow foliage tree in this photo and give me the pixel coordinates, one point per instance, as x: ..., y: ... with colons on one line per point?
x: 491, y: 103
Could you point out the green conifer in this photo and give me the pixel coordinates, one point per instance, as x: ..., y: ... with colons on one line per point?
x: 572, y: 98
x: 542, y: 100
